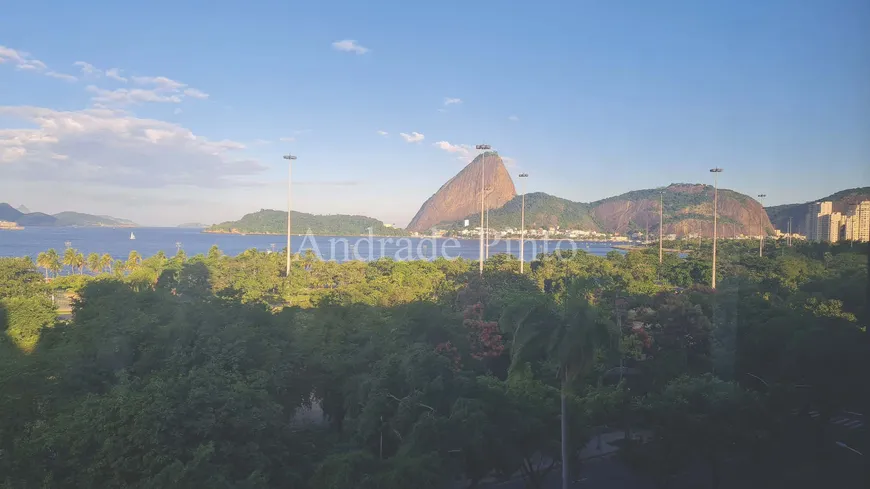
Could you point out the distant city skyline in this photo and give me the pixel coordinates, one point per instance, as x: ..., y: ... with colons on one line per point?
x: 102, y: 113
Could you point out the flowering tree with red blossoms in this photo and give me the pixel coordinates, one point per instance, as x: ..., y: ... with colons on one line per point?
x: 484, y: 336
x: 484, y: 339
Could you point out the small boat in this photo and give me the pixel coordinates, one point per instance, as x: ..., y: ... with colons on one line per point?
x: 132, y: 236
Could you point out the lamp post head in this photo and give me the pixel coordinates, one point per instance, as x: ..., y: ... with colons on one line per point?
x: 289, y: 157
x: 524, y: 175
x: 483, y: 147
x: 761, y: 196
x: 715, y: 170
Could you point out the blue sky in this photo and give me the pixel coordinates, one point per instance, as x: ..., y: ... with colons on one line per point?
x: 166, y: 112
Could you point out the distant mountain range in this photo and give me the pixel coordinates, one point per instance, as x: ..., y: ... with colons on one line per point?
x: 193, y: 225
x: 780, y: 214
x: 9, y: 213
x: 268, y: 221
x: 688, y: 210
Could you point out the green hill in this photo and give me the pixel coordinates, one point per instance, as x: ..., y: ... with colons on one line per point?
x: 88, y: 220
x: 542, y: 211
x: 268, y: 221
x: 780, y: 214
x: 688, y: 209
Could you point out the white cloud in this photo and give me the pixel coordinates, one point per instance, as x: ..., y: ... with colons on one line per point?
x: 160, y: 83
x: 414, y: 137
x: 32, y: 65
x: 87, y: 68
x: 115, y: 74
x: 350, y: 46
x: 383, y: 133
x: 177, y: 111
x: 463, y: 150
x: 192, y: 92
x: 9, y: 54
x: 112, y: 147
x: 287, y: 139
x: 513, y: 118
x: 123, y: 96
x: 442, y: 110
x: 160, y: 90
x: 452, y: 101
x: 61, y: 76
x: 25, y: 62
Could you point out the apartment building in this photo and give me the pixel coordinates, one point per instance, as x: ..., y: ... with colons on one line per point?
x: 823, y: 224
x: 818, y: 221
x: 864, y: 221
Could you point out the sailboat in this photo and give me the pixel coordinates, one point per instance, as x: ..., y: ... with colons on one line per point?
x: 132, y: 236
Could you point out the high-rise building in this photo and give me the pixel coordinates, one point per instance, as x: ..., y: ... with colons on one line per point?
x: 831, y: 224
x: 850, y: 232
x: 817, y: 225
x: 864, y: 221
x: 823, y: 224
x: 856, y: 222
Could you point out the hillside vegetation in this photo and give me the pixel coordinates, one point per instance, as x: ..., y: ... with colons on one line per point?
x: 268, y: 221
x: 542, y: 211
x: 688, y: 209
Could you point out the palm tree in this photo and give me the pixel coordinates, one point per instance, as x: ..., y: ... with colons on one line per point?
x: 134, y: 259
x: 46, y: 260
x: 567, y: 331
x: 79, y: 262
x: 106, y: 262
x: 94, y: 263
x: 119, y: 266
x: 69, y: 257
x: 54, y: 263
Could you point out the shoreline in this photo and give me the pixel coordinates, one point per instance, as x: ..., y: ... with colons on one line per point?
x: 262, y: 233
x: 636, y: 247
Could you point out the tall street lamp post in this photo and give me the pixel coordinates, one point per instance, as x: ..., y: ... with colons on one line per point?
x: 289, y: 159
x: 661, y: 222
x: 523, y: 176
x: 486, y: 233
x: 715, y: 172
x: 761, y: 225
x: 484, y: 148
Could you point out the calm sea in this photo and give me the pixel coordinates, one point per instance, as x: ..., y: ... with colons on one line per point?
x: 116, y: 241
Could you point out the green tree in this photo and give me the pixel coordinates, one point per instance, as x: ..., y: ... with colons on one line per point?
x: 106, y: 262
x: 700, y: 415
x: 49, y: 260
x: 568, y: 333
x: 214, y: 253
x: 70, y: 258
x: 134, y: 259
x: 93, y: 262
x: 79, y: 262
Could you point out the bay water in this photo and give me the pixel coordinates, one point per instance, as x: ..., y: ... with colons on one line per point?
x: 30, y: 241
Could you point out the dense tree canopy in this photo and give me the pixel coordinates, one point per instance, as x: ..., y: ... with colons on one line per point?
x: 204, y: 371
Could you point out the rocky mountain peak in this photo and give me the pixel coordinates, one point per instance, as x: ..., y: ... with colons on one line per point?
x: 460, y: 196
